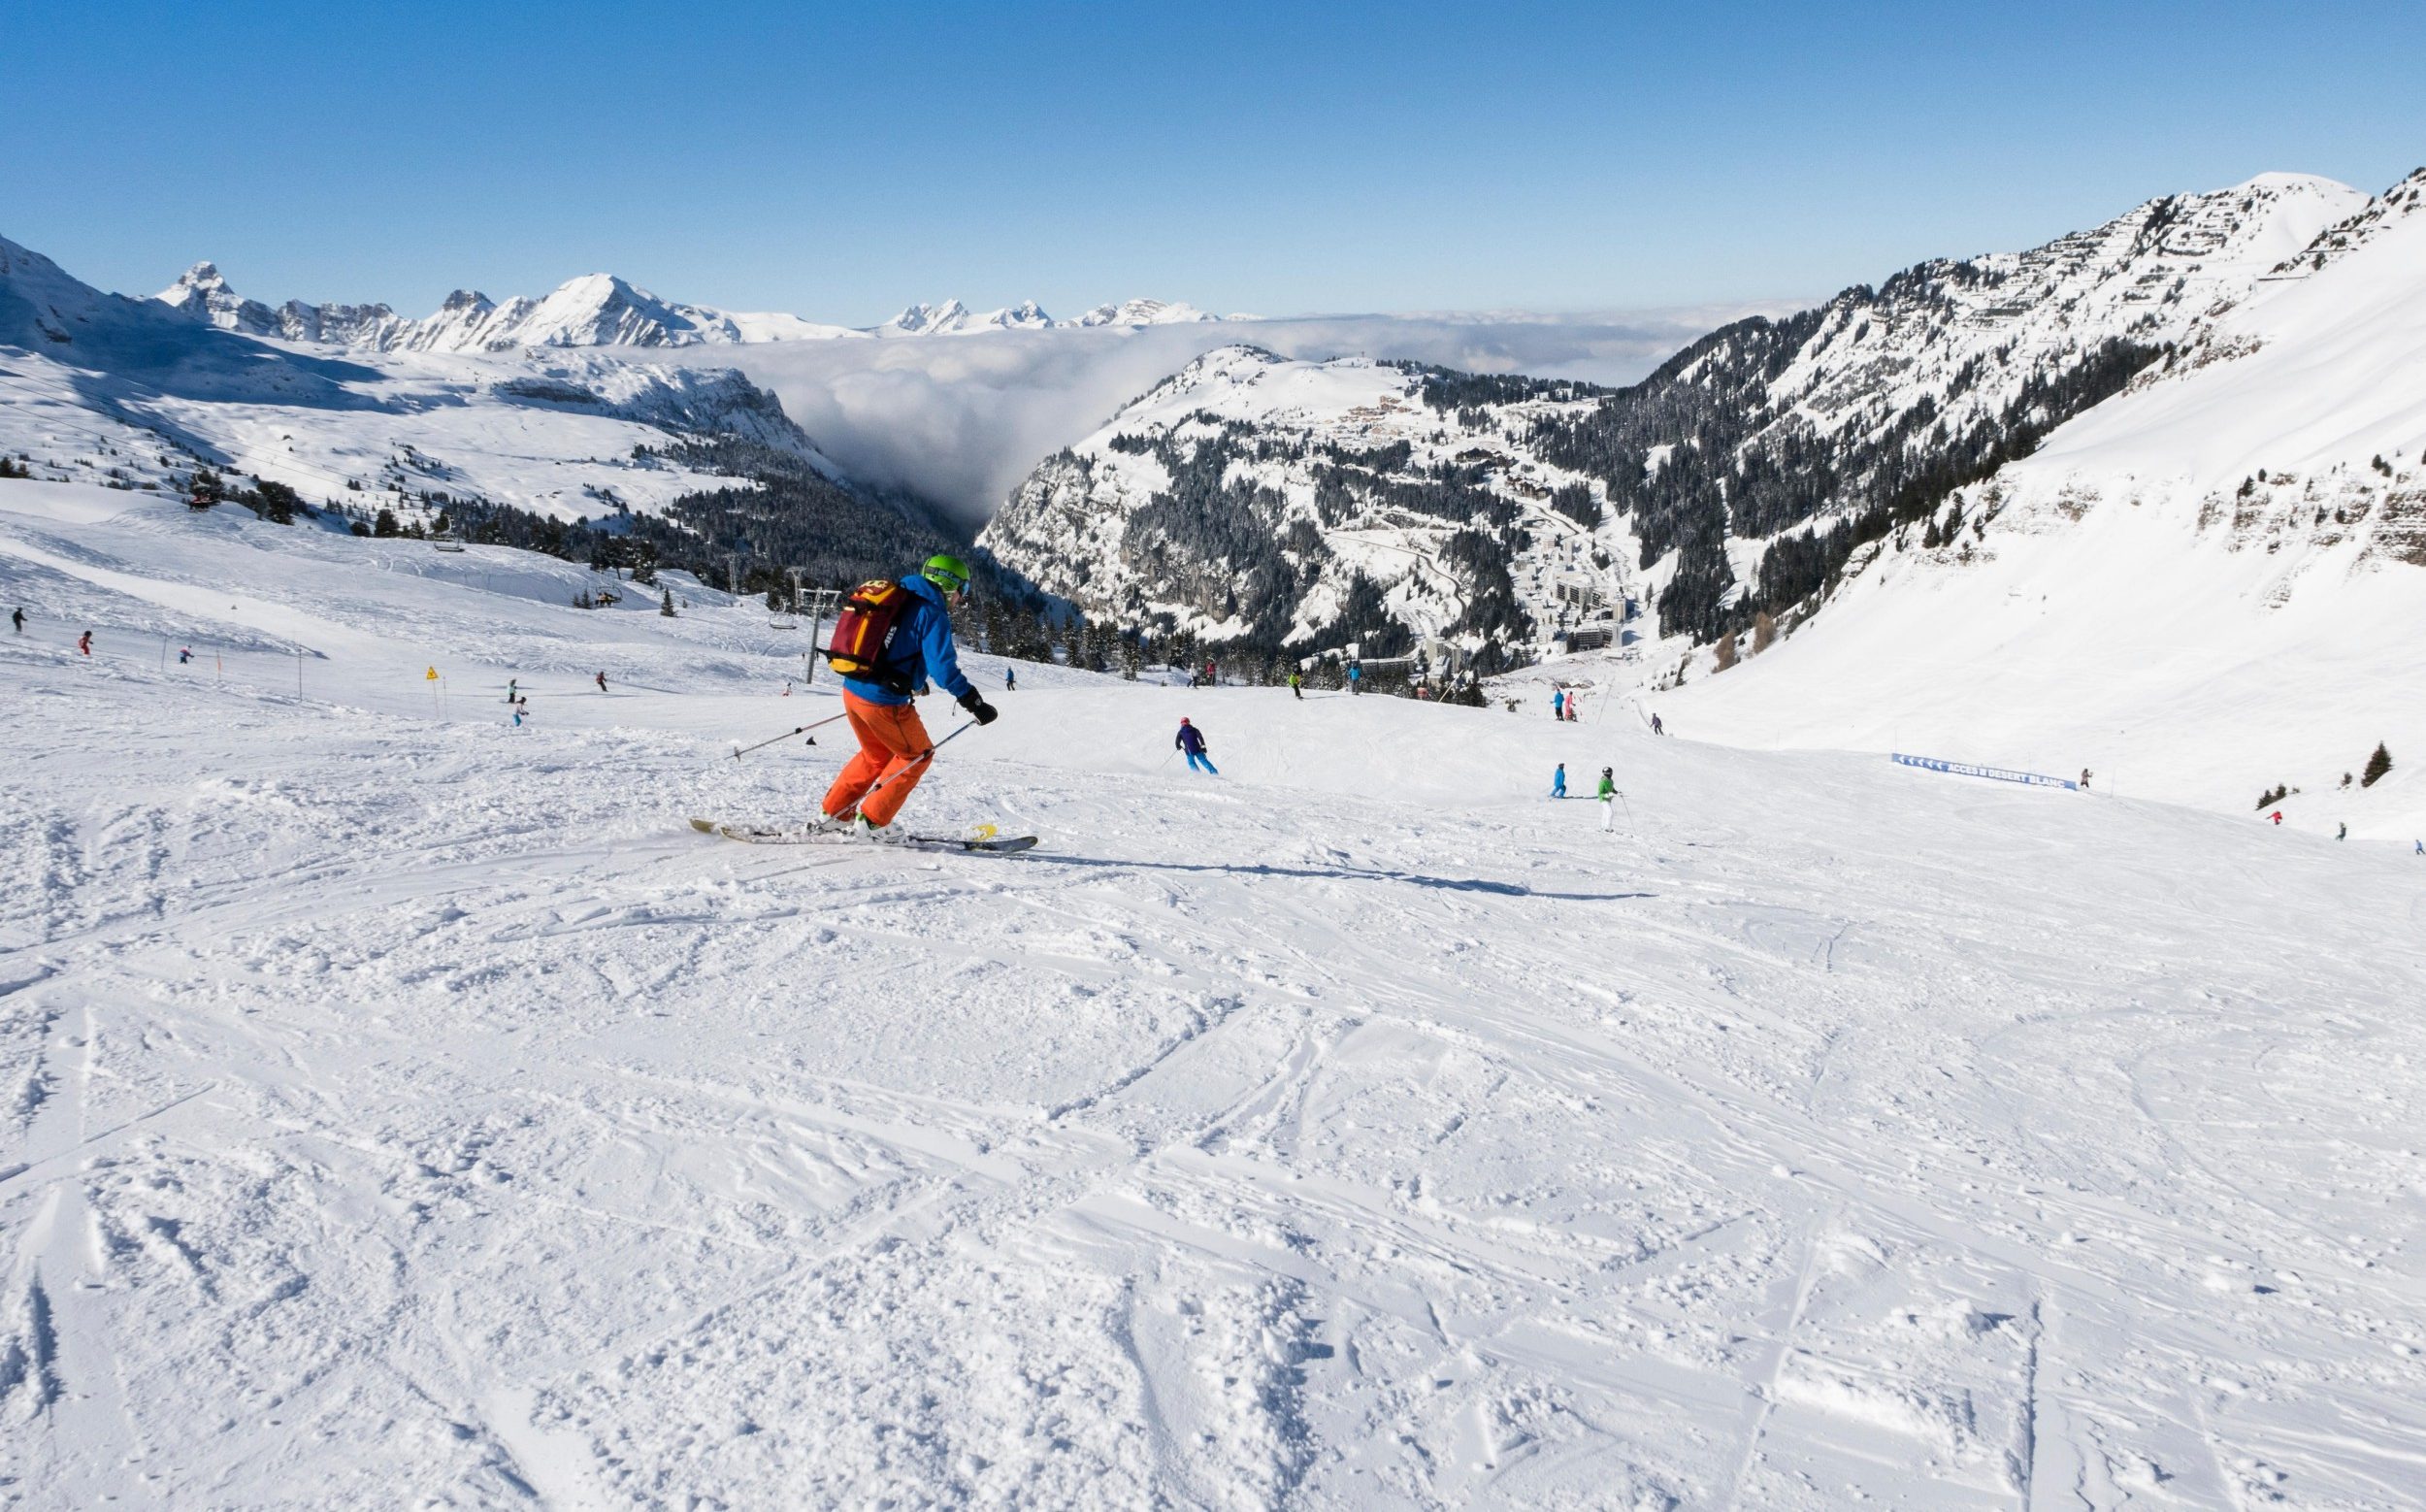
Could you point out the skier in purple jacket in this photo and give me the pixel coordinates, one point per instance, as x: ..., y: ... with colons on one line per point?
x: 1192, y: 741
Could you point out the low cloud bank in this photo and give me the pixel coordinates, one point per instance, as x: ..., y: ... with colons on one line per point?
x: 959, y: 420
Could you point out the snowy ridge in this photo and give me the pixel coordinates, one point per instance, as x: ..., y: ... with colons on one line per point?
x: 600, y: 310
x: 1148, y: 312
x: 596, y: 309
x: 2396, y: 204
x: 1964, y: 336
x: 2226, y: 562
x: 954, y: 318
x: 139, y: 392
x: 415, y: 1101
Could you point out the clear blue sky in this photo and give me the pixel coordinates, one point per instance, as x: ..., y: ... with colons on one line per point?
x: 838, y: 161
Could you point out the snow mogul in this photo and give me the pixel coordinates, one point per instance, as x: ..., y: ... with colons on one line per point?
x: 892, y: 639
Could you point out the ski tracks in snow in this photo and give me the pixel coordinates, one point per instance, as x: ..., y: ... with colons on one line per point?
x: 495, y: 1142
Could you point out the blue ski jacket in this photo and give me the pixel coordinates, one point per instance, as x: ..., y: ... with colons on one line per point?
x: 921, y: 646
x: 1189, y: 740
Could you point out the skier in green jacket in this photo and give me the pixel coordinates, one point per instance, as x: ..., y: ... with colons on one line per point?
x: 1608, y: 800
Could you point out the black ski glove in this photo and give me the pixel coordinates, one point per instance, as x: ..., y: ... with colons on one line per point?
x: 979, y: 709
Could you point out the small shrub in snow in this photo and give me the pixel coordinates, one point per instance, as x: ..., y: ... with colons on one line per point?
x: 2273, y: 796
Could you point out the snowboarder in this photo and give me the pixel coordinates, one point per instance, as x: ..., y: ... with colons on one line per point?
x: 601, y: 682
x: 1608, y: 800
x: 2277, y: 816
x: 913, y: 619
x: 1559, y: 781
x: 1010, y: 680
x: 83, y: 642
x: 1558, y: 703
x: 1655, y: 726
x: 518, y: 716
x: 184, y: 654
x: 1356, y: 676
x: 2343, y: 831
x: 1296, y: 686
x: 1192, y: 741
x: 19, y: 618
x: 2084, y: 779
x: 1574, y: 706
x: 510, y: 693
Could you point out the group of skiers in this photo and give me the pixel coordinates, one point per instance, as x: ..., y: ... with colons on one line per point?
x: 1607, y: 793
x: 1565, y: 707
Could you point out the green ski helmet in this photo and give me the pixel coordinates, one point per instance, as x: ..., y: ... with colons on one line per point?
x: 946, y: 571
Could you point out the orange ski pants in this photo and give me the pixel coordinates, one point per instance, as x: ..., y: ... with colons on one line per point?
x: 892, y: 749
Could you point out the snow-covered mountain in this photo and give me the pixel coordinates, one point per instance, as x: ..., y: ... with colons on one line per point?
x: 1148, y: 312
x: 202, y: 293
x: 143, y: 393
x: 1729, y: 482
x: 1253, y: 498
x: 954, y: 318
x: 600, y: 310
x: 596, y: 309
x: 2207, y: 587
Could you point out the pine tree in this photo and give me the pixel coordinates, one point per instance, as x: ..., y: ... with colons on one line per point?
x: 665, y: 605
x: 2377, y: 766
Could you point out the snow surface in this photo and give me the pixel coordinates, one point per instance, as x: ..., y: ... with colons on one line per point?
x: 403, y: 1109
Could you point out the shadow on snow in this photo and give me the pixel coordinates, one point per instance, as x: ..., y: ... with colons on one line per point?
x: 1338, y: 873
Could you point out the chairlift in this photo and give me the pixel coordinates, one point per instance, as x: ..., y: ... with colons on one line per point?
x: 445, y: 542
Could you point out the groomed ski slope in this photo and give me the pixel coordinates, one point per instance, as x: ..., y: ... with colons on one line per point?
x: 400, y: 1108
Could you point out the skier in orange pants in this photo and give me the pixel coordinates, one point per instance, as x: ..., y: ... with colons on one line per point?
x: 892, y: 749
x: 889, y: 641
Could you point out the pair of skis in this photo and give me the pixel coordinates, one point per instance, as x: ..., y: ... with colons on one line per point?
x: 838, y: 826
x: 985, y: 841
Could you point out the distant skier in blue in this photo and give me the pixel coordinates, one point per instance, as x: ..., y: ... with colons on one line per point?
x: 1559, y: 781
x: 1192, y: 741
x: 1557, y: 705
x: 1010, y: 680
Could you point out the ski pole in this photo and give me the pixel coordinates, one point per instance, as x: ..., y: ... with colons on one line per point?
x: 1630, y: 811
x: 741, y: 751
x: 848, y: 815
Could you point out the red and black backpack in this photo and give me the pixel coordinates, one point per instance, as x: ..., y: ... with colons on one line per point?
x: 863, y: 631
